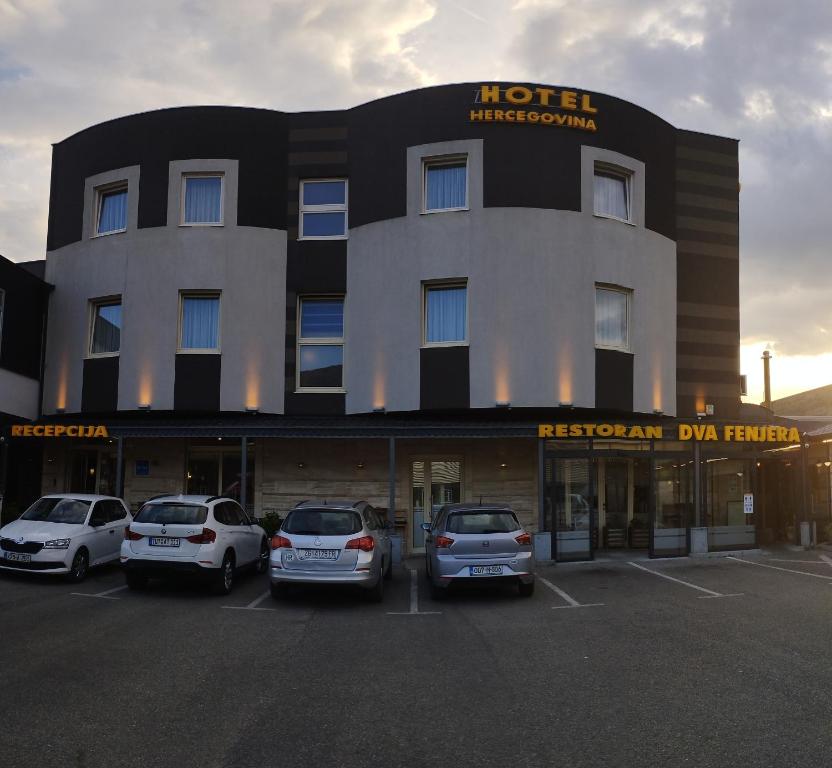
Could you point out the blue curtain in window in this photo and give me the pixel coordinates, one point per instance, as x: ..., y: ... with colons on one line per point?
x: 202, y: 200
x: 322, y: 319
x: 445, y: 187
x: 113, y: 214
x: 200, y: 322
x: 611, y: 196
x: 106, y: 336
x: 446, y: 315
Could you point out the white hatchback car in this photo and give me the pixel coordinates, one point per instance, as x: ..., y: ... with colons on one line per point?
x: 203, y: 536
x: 65, y: 533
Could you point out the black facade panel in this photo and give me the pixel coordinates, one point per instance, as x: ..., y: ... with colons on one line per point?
x: 317, y: 266
x: 613, y: 380
x: 708, y: 279
x: 444, y: 378
x: 99, y: 392
x: 313, y: 403
x: 24, y: 315
x: 197, y: 383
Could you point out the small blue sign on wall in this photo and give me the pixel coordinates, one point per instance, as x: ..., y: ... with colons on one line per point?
x: 142, y: 468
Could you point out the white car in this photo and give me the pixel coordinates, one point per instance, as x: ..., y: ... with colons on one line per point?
x: 65, y: 533
x: 203, y: 536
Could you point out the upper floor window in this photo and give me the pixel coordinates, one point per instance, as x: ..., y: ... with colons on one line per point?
x: 321, y: 344
x: 612, y: 318
x: 2, y: 310
x: 199, y: 322
x: 612, y: 192
x: 202, y: 199
x: 445, y: 184
x: 323, y: 209
x: 446, y: 314
x: 105, y: 330
x: 111, y: 209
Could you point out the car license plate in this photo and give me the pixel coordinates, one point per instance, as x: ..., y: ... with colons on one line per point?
x: 18, y: 557
x: 486, y: 570
x: 163, y: 541
x: 318, y: 554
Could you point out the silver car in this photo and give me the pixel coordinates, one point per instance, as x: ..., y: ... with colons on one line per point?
x: 477, y: 542
x: 334, y: 542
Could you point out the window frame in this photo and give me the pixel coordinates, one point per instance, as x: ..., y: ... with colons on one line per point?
x: 197, y: 294
x: 99, y: 194
x: 184, y: 188
x: 94, y: 304
x: 628, y: 294
x: 434, y: 284
x: 438, y: 161
x: 327, y: 208
x: 611, y: 170
x: 300, y: 341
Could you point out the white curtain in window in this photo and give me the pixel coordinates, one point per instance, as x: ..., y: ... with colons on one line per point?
x: 445, y: 187
x: 611, y: 195
x: 202, y: 200
x: 113, y: 214
x: 610, y: 318
x: 446, y: 315
x: 200, y: 322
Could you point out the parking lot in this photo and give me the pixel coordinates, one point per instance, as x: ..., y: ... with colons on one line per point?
x: 689, y: 662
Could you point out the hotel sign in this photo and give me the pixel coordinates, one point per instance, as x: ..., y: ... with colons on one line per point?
x: 542, y: 106
x: 59, y: 430
x: 728, y: 433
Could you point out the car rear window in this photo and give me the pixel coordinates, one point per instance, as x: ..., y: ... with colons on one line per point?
x: 46, y: 510
x: 172, y: 514
x: 322, y: 522
x: 482, y: 522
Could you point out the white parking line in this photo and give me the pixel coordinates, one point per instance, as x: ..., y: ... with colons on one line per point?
x: 827, y: 560
x: 778, y: 568
x: 573, y: 603
x: 414, y: 599
x: 106, y: 595
x: 709, y: 593
x: 252, y: 606
x: 790, y: 560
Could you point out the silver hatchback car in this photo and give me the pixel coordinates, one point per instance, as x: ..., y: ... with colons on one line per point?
x: 483, y: 542
x: 334, y: 542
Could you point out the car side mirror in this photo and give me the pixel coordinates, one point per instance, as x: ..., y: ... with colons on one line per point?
x: 425, y: 526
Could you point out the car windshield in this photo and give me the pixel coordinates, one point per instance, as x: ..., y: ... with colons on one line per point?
x: 482, y: 522
x: 172, y: 514
x: 51, y: 510
x: 322, y: 522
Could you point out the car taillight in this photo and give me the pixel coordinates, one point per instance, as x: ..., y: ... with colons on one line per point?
x: 132, y: 535
x: 208, y: 536
x: 365, y: 544
x: 524, y: 539
x: 440, y: 542
x: 281, y: 542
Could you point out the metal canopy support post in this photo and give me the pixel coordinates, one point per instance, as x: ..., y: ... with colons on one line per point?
x: 243, y: 471
x: 391, y: 480
x: 119, y: 466
x: 697, y: 485
x: 541, y: 482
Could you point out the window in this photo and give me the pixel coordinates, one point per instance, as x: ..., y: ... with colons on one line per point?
x: 111, y: 209
x: 199, y: 324
x: 2, y: 309
x: 611, y: 192
x: 612, y: 318
x: 323, y: 209
x: 105, y: 334
x: 445, y: 184
x: 446, y: 314
x: 202, y: 199
x: 321, y: 344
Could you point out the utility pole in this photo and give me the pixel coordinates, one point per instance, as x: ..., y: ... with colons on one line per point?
x: 767, y: 378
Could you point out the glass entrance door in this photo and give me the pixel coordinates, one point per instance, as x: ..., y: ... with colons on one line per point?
x: 218, y: 472
x: 616, y: 503
x: 570, y: 509
x: 92, y: 470
x: 442, y: 480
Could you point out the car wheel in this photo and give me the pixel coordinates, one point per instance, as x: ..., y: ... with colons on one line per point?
x: 376, y: 594
x: 438, y: 593
x: 388, y: 570
x: 526, y: 590
x: 136, y: 581
x: 279, y: 590
x: 262, y: 564
x: 224, y: 580
x: 80, y: 566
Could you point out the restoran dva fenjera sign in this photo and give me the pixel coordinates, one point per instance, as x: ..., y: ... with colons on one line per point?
x: 729, y: 433
x: 540, y: 106
x: 59, y: 430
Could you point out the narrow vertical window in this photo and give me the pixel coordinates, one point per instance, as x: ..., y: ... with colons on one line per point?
x: 199, y: 323
x: 105, y: 334
x: 323, y: 209
x: 612, y: 318
x: 446, y: 314
x: 611, y: 192
x: 2, y: 310
x: 321, y: 344
x: 111, y: 210
x: 202, y: 199
x: 445, y: 184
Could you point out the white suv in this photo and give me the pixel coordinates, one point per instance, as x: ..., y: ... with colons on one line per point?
x: 204, y: 536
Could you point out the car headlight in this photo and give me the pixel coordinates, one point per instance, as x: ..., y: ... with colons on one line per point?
x: 57, y: 544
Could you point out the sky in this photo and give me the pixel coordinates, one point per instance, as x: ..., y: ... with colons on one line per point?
x: 756, y: 70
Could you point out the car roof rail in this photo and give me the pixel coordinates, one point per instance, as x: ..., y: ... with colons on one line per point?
x: 214, y: 498
x: 159, y: 496
x: 301, y: 503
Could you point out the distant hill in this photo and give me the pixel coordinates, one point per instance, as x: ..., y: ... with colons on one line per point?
x: 813, y: 402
